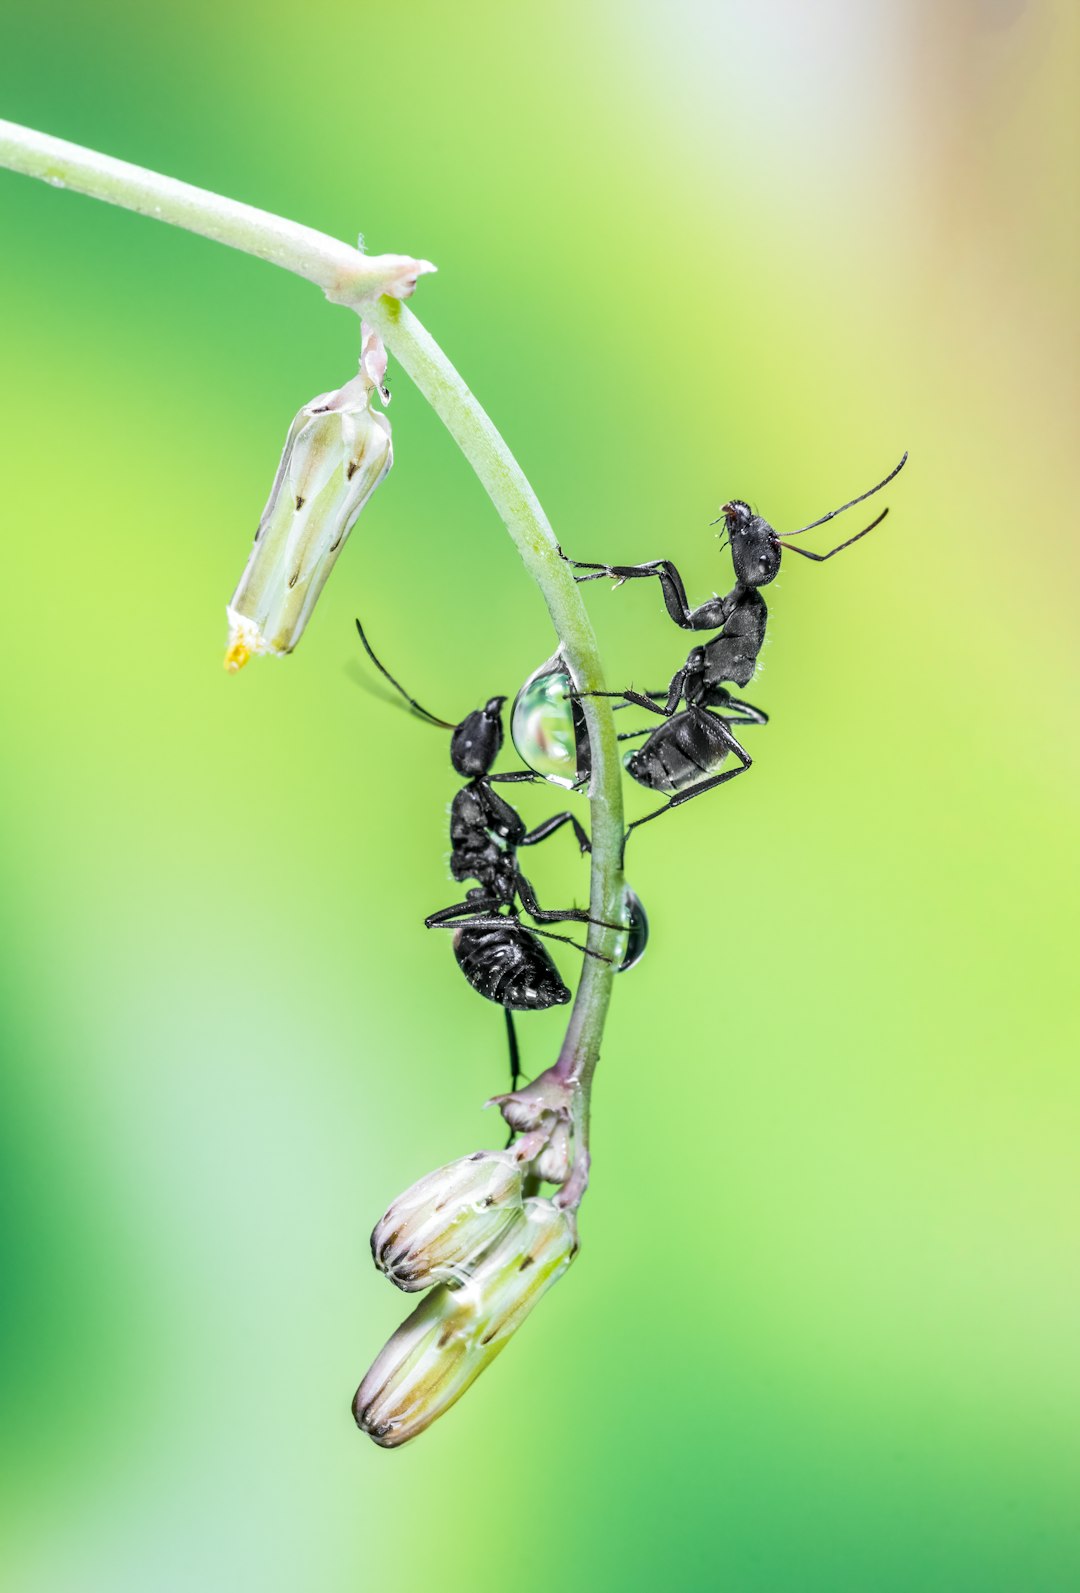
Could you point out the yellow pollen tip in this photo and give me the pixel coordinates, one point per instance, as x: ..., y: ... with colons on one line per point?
x: 237, y: 655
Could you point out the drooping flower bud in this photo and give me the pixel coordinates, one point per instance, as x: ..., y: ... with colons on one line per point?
x: 440, y: 1227
x: 543, y: 1114
x: 337, y: 451
x: 456, y: 1332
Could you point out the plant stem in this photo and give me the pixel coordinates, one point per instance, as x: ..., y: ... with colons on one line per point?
x: 345, y: 275
x: 517, y: 503
x: 356, y: 280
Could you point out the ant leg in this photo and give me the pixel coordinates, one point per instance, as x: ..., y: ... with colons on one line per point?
x: 745, y: 713
x: 542, y: 831
x: 441, y: 919
x: 629, y: 696
x: 706, y: 618
x: 546, y: 934
x: 515, y: 1060
x: 632, y: 735
x: 501, y: 918
x: 686, y: 796
x: 675, y: 690
x: 570, y: 915
x: 669, y: 697
x: 537, y: 779
x: 658, y: 696
x: 703, y: 785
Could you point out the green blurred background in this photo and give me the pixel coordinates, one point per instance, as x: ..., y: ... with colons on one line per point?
x: 823, y: 1330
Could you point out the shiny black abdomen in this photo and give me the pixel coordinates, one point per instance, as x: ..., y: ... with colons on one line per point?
x: 686, y: 748
x: 508, y: 965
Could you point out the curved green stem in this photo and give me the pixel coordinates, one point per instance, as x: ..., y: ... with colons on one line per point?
x: 356, y: 280
x: 345, y: 275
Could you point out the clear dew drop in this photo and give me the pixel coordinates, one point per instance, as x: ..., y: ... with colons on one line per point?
x: 638, y: 936
x: 548, y: 729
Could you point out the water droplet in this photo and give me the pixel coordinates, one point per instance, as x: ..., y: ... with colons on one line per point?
x: 638, y: 937
x: 548, y: 729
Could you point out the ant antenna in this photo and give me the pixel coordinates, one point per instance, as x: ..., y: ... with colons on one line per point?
x: 819, y: 558
x: 431, y: 718
x: 850, y: 505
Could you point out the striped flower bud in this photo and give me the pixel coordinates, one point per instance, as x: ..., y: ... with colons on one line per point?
x: 456, y: 1332
x: 337, y: 451
x: 437, y: 1229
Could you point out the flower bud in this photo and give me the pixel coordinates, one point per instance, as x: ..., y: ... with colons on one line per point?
x: 456, y: 1332
x: 547, y: 1100
x: 337, y: 451
x: 553, y: 1162
x: 522, y: 1113
x: 448, y: 1219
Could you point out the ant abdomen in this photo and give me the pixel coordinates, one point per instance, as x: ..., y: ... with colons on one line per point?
x: 685, y: 749
x: 504, y: 963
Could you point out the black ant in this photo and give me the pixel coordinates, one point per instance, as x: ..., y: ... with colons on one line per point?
x: 693, y: 743
x: 499, y: 955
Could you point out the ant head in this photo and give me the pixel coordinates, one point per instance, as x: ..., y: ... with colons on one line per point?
x: 475, y: 744
x: 755, y: 546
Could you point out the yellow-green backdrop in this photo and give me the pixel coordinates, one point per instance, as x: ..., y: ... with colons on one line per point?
x: 823, y: 1330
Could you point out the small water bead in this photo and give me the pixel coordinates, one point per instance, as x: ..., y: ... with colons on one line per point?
x: 638, y: 937
x: 548, y: 727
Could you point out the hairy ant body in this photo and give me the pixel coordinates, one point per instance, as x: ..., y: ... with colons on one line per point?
x: 501, y: 957
x: 680, y: 756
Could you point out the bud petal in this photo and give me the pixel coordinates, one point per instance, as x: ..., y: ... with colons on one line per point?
x: 337, y: 451
x: 553, y: 1162
x: 455, y: 1333
x: 447, y: 1220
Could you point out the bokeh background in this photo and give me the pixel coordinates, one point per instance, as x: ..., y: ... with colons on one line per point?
x: 823, y: 1330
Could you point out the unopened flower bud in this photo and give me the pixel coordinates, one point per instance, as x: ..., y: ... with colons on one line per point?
x: 537, y: 1105
x: 337, y: 451
x: 456, y: 1332
x: 522, y: 1113
x: 440, y: 1227
x: 553, y: 1162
